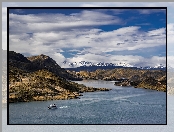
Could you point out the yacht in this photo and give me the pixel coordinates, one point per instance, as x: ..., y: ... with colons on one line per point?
x: 52, y: 106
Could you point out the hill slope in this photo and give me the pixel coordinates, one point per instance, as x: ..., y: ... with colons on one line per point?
x: 39, y: 78
x: 39, y: 62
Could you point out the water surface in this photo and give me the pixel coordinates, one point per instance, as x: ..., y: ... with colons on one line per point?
x: 121, y: 105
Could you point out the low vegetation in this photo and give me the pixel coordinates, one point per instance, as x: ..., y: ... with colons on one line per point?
x: 29, y: 84
x: 149, y: 79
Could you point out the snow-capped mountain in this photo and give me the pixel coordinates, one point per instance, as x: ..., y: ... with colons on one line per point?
x: 88, y: 64
x: 122, y: 64
x: 159, y: 66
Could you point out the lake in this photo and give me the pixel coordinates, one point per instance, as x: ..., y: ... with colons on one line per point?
x: 121, y: 105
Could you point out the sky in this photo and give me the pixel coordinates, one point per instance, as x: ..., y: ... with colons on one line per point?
x: 169, y: 5
x: 133, y: 36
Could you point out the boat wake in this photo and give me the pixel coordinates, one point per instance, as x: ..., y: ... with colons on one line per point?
x: 63, y: 107
x: 126, y: 97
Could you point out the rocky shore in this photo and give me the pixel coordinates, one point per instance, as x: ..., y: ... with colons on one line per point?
x: 43, y: 85
x: 148, y: 83
x: 148, y: 79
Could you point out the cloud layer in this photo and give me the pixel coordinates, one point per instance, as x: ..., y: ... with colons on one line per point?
x: 50, y: 34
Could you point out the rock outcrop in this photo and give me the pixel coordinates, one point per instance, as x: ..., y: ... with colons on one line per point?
x: 122, y: 82
x: 147, y: 83
x: 154, y: 84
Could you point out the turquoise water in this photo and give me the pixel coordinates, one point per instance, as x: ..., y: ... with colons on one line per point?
x: 121, y: 105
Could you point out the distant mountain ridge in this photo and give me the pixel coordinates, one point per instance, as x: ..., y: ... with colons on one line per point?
x: 90, y: 66
x: 87, y: 63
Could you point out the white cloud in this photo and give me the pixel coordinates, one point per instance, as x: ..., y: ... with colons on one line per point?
x: 170, y: 6
x: 53, y: 22
x: 50, y: 36
x: 58, y: 57
x: 161, y: 31
x: 94, y: 38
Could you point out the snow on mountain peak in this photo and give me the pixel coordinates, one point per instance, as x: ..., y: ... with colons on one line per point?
x: 87, y: 63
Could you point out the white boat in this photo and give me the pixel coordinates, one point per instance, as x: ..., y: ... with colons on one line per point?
x: 52, y: 106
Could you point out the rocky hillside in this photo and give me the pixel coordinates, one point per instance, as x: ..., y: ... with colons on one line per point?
x: 39, y: 62
x: 114, y: 74
x: 39, y: 78
x: 152, y: 83
x: 151, y: 79
x: 43, y: 85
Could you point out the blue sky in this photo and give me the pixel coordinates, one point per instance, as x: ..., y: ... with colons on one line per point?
x: 133, y: 36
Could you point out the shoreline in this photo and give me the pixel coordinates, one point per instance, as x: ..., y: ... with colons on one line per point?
x: 128, y: 83
x: 64, y: 96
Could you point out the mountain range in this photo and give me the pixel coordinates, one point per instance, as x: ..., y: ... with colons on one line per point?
x: 90, y: 66
x: 105, y: 65
x: 87, y: 63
